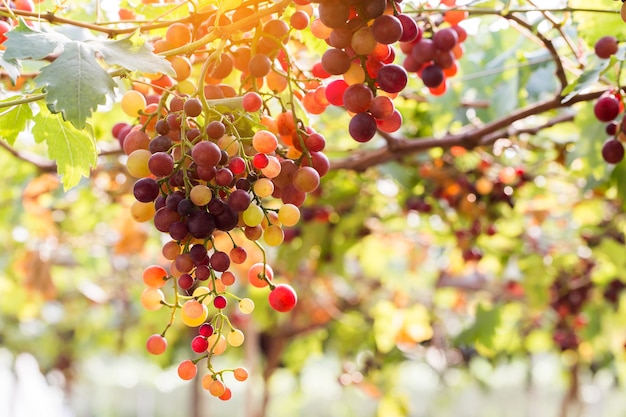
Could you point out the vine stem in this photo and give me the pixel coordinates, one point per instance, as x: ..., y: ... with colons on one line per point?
x: 476, y: 136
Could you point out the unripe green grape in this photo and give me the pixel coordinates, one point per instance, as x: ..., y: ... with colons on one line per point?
x: 235, y: 337
x: 142, y: 212
x: 200, y: 195
x: 289, y: 215
x: 246, y: 306
x: 151, y: 298
x: 273, y: 235
x: 263, y: 187
x: 253, y: 215
x: 137, y: 163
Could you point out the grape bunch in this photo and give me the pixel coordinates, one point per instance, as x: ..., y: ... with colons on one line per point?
x: 569, y: 293
x: 608, y: 107
x: 360, y: 35
x: 211, y: 168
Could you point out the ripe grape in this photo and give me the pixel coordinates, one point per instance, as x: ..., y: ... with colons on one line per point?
x: 133, y: 102
x: 387, y: 29
x: 362, y: 127
x: 606, y: 46
x: 445, y: 39
x: 187, y: 370
x: 192, y: 107
x: 146, y: 190
x: 432, y: 75
x: 613, y: 151
x: 357, y: 98
x: 161, y: 164
x: 156, y: 344
x: 336, y: 61
x: 282, y: 298
x: 155, y: 276
x: 606, y: 108
x: 392, y: 78
x: 206, y: 154
x: 259, y: 65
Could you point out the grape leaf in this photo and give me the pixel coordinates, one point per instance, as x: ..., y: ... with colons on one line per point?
x: 591, y: 75
x: 13, y: 120
x: 132, y: 53
x: 11, y: 66
x: 26, y: 43
x: 73, y: 150
x: 76, y: 83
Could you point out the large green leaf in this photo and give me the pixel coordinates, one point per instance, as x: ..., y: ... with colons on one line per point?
x: 26, y: 43
x: 76, y: 83
x: 73, y: 150
x: 13, y: 120
x: 132, y: 53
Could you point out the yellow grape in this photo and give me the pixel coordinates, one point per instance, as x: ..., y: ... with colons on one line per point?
x: 193, y: 309
x: 186, y: 87
x: 200, y: 195
x: 246, y: 305
x: 289, y: 215
x: 137, y: 163
x: 133, y: 102
x: 271, y: 217
x: 217, y: 344
x: 263, y: 187
x: 273, y: 235
x: 182, y: 67
x: 199, y: 292
x: 151, y: 298
x: 230, y: 144
x: 253, y: 215
x: 197, y: 321
x: 235, y: 338
x: 142, y: 212
x: 355, y: 74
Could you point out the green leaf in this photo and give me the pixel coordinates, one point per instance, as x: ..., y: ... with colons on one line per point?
x: 11, y: 66
x: 76, y: 83
x: 73, y: 150
x: 586, y: 79
x: 25, y: 43
x: 13, y: 120
x: 133, y: 53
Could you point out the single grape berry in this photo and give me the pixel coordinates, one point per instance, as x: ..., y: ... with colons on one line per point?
x: 613, y: 151
x: 283, y: 298
x: 606, y: 108
x: 606, y: 46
